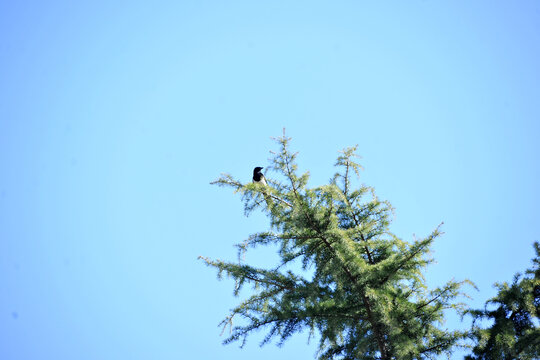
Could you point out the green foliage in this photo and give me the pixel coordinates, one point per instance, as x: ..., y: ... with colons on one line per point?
x: 360, y: 287
x: 514, y: 333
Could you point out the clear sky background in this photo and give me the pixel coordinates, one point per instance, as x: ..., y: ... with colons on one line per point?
x: 116, y: 115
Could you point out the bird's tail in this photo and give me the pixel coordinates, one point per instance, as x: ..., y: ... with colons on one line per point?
x: 268, y: 199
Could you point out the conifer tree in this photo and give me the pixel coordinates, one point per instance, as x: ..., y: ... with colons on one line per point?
x: 342, y: 273
x: 514, y: 332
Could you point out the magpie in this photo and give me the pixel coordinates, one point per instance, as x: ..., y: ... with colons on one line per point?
x: 258, y: 176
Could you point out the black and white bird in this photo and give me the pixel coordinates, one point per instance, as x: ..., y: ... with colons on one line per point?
x: 258, y: 176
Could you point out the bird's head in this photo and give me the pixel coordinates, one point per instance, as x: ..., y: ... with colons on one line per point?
x: 257, y: 169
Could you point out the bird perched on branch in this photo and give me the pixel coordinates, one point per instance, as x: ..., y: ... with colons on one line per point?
x: 258, y: 178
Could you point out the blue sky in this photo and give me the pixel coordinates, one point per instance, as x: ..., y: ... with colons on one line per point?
x: 115, y: 116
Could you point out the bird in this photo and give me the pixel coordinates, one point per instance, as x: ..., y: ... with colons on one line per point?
x: 258, y: 176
